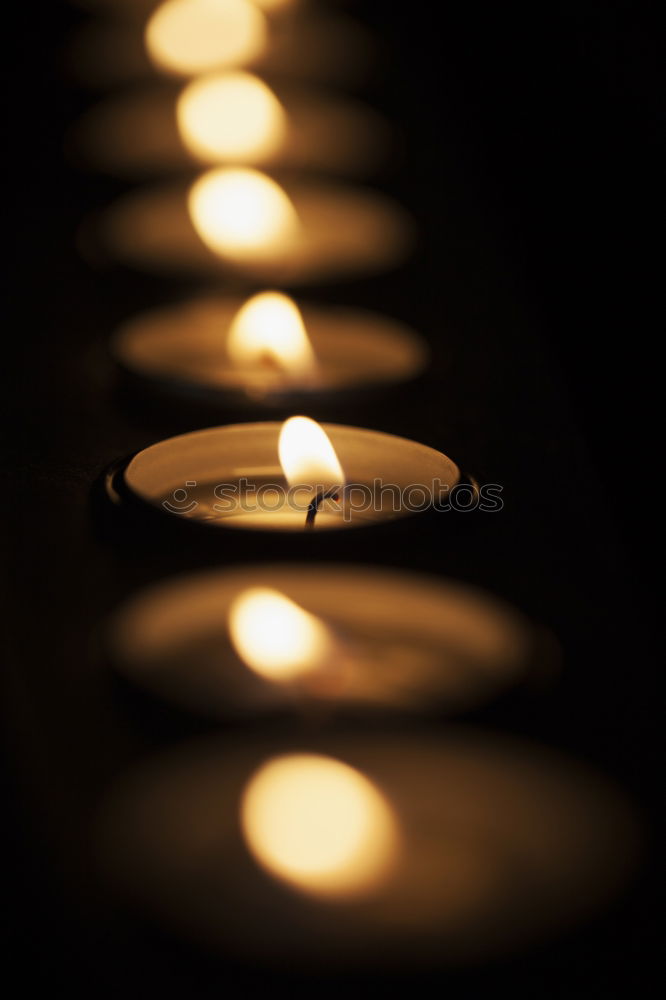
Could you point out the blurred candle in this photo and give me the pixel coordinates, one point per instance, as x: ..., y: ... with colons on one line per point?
x: 240, y: 219
x: 229, y: 117
x: 386, y: 851
x: 244, y: 641
x: 266, y: 350
x: 135, y: 39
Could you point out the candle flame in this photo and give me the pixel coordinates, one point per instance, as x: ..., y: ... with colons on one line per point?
x: 307, y: 456
x: 194, y: 36
x: 230, y: 116
x: 319, y: 825
x: 275, y: 637
x: 241, y: 212
x: 270, y: 325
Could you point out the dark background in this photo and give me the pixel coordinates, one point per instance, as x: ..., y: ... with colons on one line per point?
x: 531, y: 154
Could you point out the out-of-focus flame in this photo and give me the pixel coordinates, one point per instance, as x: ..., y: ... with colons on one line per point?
x: 241, y: 212
x: 275, y: 637
x: 319, y: 825
x: 230, y: 116
x: 270, y: 326
x: 194, y: 36
x: 307, y: 455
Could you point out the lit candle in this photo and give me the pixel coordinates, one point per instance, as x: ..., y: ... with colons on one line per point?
x: 240, y: 219
x: 266, y: 350
x: 386, y: 850
x: 289, y: 477
x: 247, y: 640
x: 226, y: 118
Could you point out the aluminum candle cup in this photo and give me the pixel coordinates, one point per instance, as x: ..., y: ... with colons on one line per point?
x: 383, y: 851
x: 393, y: 641
x: 231, y: 477
x: 184, y: 349
x: 299, y: 233
x: 165, y: 128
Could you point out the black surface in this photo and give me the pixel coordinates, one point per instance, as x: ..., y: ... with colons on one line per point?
x: 530, y: 155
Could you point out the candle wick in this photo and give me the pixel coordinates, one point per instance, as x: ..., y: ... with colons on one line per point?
x: 331, y: 494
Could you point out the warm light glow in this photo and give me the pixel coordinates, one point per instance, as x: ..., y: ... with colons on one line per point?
x: 273, y: 4
x: 194, y: 36
x: 230, y: 116
x: 269, y: 327
x: 241, y: 212
x: 319, y: 825
x: 307, y: 456
x: 277, y: 638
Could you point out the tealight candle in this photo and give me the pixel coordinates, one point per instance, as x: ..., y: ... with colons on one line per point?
x: 228, y: 117
x: 239, y: 219
x: 348, y: 851
x: 134, y: 41
x: 290, y: 477
x: 249, y: 640
x: 266, y: 350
